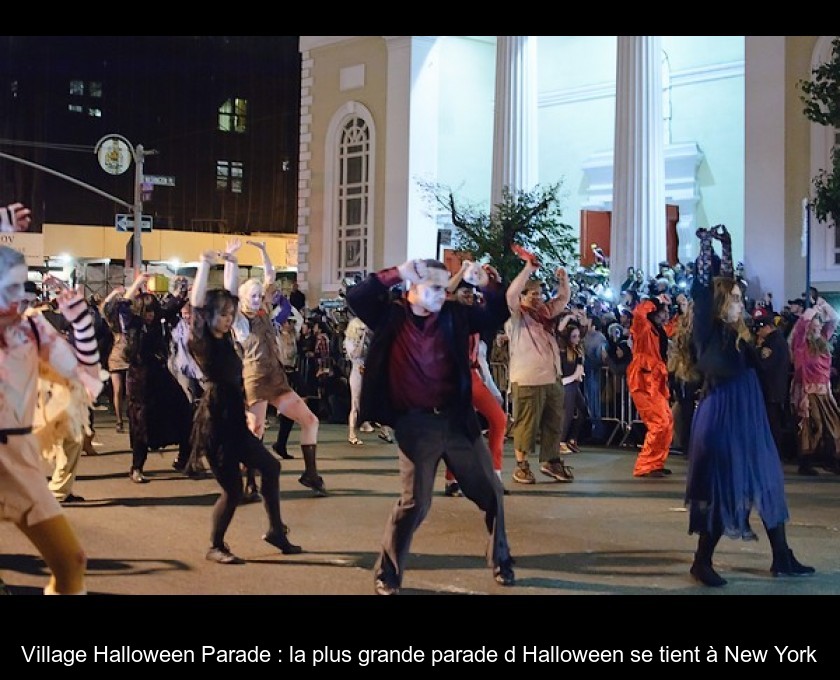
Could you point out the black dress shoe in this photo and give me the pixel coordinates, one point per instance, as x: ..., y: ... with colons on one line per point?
x: 314, y: 482
x: 656, y: 474
x: 281, y: 451
x: 72, y: 498
x: 282, y: 543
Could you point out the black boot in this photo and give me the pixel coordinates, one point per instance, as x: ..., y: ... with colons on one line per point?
x: 702, y: 568
x: 784, y: 562
x: 283, y: 433
x: 310, y: 477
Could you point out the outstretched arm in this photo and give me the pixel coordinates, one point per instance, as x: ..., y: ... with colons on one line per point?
x: 135, y: 288
x: 268, y: 267
x: 721, y: 234
x: 198, y: 294
x: 232, y: 266
x: 518, y: 284
x: 562, y: 293
x: 456, y: 278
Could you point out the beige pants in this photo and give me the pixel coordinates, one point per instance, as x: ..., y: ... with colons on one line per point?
x: 67, y: 455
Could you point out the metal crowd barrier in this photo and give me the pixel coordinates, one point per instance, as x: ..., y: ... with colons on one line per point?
x: 617, y: 408
x: 499, y: 371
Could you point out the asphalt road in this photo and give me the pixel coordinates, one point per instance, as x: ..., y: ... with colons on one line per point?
x: 606, y: 533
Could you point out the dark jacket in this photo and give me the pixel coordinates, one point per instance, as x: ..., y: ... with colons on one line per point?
x: 371, y: 301
x: 774, y: 367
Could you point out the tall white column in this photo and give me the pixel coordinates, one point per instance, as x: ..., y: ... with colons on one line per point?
x: 638, y: 227
x: 515, y: 128
x: 411, y: 146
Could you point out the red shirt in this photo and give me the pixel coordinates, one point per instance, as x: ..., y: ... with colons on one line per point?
x: 421, y: 370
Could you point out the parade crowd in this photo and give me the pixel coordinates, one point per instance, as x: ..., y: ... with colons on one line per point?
x: 446, y: 365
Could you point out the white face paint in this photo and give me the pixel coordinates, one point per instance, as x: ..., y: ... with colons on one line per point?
x: 250, y: 296
x: 12, y: 294
x: 430, y: 296
x: 734, y: 306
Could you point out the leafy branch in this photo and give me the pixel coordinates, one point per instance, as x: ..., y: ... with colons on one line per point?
x: 531, y: 219
x: 821, y: 97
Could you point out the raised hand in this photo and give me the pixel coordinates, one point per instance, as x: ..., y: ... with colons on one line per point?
x: 231, y: 248
x: 492, y: 272
x: 476, y: 275
x: 525, y: 255
x: 257, y: 244
x: 721, y: 233
x: 15, y: 217
x: 54, y: 284
x: 413, y: 271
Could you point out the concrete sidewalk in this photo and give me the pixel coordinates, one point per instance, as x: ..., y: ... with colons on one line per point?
x: 606, y: 533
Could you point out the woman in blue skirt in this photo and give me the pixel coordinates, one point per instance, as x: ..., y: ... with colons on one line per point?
x: 733, y: 464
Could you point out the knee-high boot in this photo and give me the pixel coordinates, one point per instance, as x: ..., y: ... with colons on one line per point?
x: 784, y: 563
x: 310, y: 476
x: 702, y: 568
x: 285, y: 429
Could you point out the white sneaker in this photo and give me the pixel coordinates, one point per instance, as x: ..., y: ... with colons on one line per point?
x: 366, y: 427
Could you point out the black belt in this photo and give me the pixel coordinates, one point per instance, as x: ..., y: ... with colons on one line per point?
x: 429, y: 411
x: 5, y: 434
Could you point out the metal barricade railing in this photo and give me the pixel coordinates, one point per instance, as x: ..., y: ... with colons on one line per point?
x: 499, y: 371
x: 617, y: 407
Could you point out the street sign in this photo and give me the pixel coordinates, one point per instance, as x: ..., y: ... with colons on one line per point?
x: 159, y: 180
x: 125, y: 222
x: 114, y: 154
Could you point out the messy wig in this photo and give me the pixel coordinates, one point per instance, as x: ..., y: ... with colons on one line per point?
x: 681, y: 360
x: 216, y: 302
x: 723, y: 287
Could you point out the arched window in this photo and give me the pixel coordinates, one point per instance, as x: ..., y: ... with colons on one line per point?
x: 348, y: 210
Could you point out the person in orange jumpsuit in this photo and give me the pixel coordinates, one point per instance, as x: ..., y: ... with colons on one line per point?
x: 647, y: 380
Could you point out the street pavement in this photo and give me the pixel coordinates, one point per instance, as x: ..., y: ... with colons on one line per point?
x: 606, y: 533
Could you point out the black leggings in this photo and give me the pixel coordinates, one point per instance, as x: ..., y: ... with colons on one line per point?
x: 251, y: 453
x: 573, y: 401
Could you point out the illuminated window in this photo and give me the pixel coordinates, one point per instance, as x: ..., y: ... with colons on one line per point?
x: 353, y: 189
x: 77, y: 88
x: 75, y: 108
x: 95, y: 113
x: 233, y: 115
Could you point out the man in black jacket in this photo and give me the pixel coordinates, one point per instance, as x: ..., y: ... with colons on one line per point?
x: 417, y: 380
x: 774, y: 372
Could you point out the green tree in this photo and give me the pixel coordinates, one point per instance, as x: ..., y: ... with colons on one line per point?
x: 821, y: 96
x: 531, y: 219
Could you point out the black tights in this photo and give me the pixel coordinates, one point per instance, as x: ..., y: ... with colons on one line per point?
x: 254, y: 457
